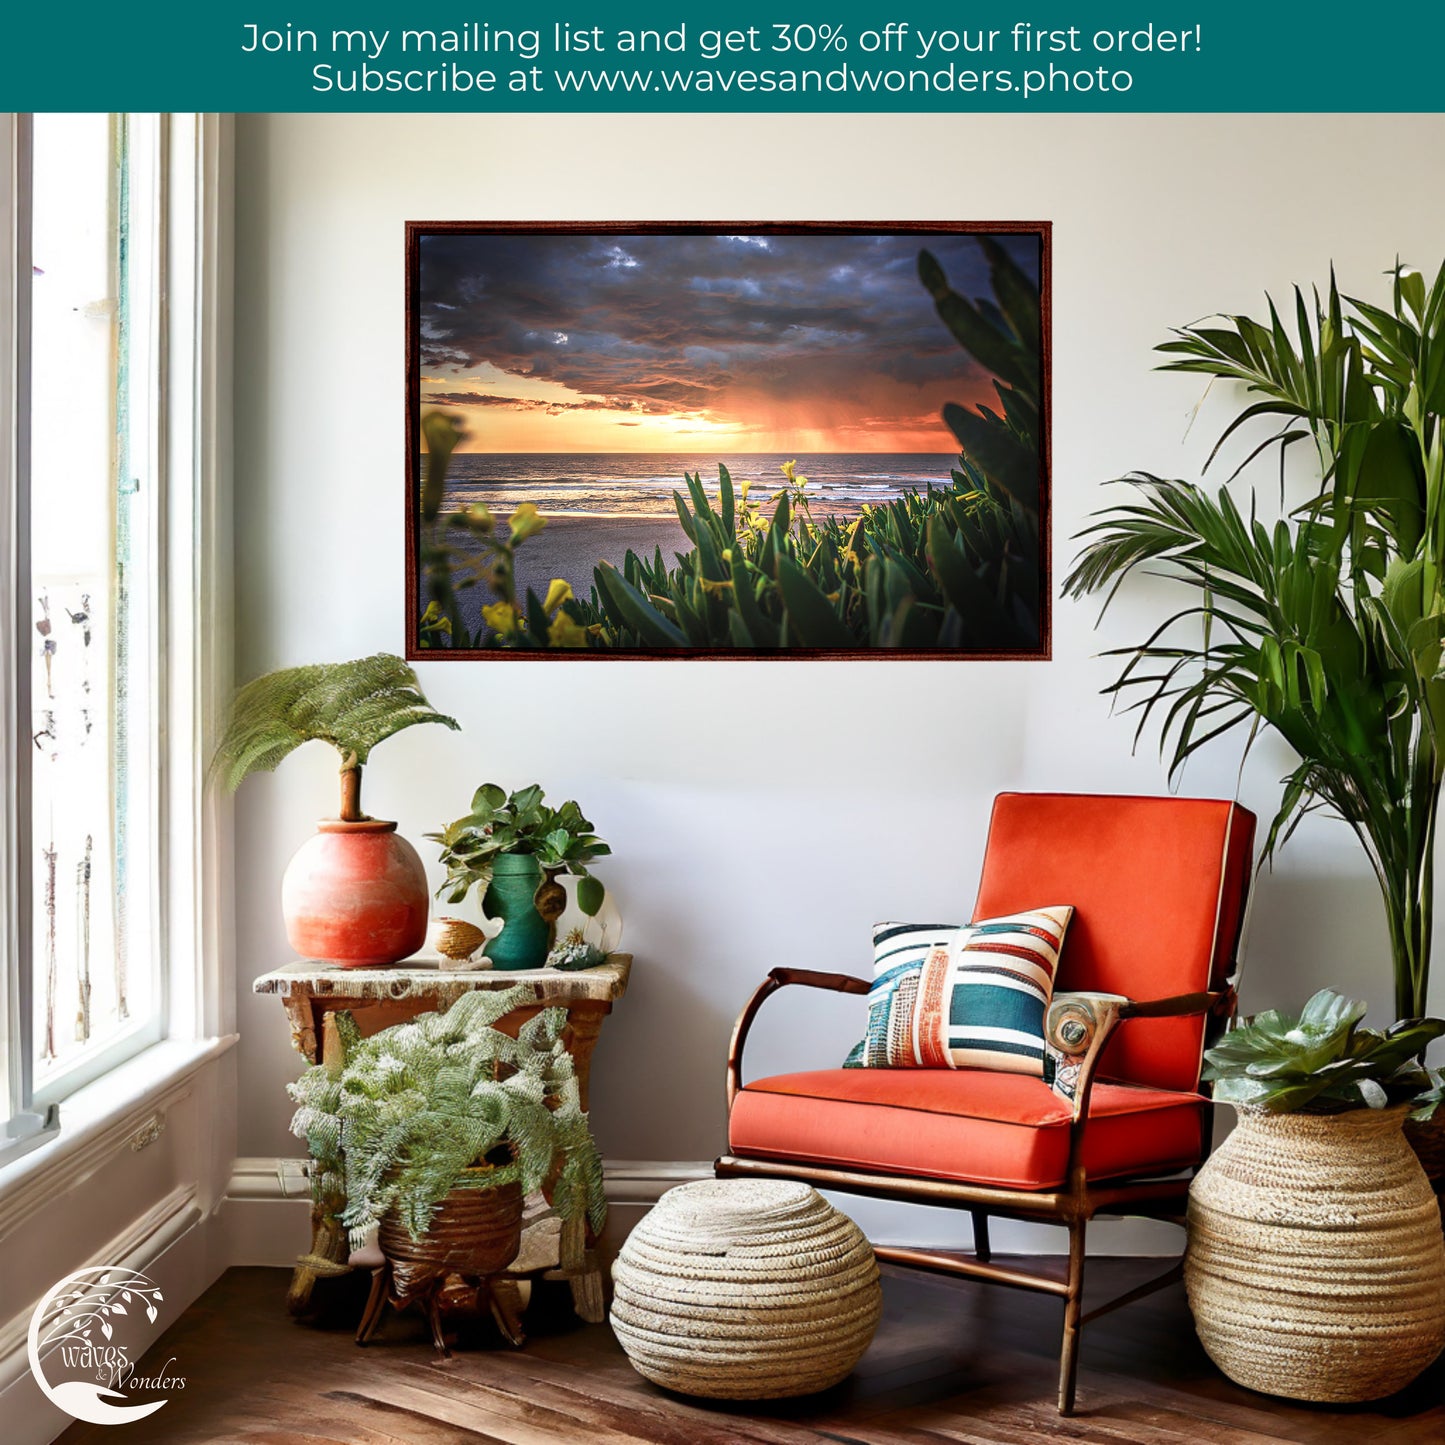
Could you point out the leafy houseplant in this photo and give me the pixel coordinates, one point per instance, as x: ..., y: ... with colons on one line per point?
x: 1314, y: 1214
x: 1327, y: 626
x: 512, y: 847
x: 433, y: 1131
x: 356, y: 892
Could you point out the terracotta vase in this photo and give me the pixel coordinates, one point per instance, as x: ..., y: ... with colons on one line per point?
x: 355, y: 894
x: 1315, y: 1266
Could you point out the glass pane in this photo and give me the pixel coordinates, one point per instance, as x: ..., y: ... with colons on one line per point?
x: 91, y: 579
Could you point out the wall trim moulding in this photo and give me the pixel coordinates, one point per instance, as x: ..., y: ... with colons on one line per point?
x: 148, y: 1245
x: 627, y: 1181
x: 76, y: 1156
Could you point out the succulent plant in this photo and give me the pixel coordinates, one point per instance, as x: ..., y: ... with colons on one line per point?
x: 1321, y: 1060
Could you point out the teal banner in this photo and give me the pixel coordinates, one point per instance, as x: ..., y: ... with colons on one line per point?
x: 734, y: 55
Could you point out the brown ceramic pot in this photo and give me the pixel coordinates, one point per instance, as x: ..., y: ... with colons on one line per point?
x: 474, y: 1232
x: 355, y: 894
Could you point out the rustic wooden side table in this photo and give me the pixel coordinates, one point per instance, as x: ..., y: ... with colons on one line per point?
x: 314, y: 993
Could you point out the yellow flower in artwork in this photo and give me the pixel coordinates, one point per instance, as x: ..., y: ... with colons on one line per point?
x: 790, y: 471
x: 475, y: 518
x: 743, y: 489
x: 433, y: 621
x: 500, y: 616
x: 557, y: 593
x: 564, y: 632
x: 526, y: 522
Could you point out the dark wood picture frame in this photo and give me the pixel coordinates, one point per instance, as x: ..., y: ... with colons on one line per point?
x: 417, y: 231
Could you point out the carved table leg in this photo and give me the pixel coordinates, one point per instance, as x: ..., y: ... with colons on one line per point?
x: 330, y: 1246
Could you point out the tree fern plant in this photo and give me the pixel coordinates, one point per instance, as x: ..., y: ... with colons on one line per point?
x: 416, y: 1106
x: 1328, y: 625
x: 351, y: 705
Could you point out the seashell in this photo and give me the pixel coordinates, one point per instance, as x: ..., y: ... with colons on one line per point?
x: 456, y: 938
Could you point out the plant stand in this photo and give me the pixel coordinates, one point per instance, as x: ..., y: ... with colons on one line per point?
x: 314, y: 993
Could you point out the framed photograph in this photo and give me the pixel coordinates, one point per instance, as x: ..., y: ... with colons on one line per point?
x: 728, y: 440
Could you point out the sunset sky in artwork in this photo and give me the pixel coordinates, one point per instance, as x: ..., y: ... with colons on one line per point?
x: 680, y: 343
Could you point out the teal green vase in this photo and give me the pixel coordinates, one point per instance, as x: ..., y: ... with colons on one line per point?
x: 522, y: 943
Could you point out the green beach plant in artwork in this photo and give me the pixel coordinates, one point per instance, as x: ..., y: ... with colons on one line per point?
x: 417, y: 1107
x: 1329, y: 625
x: 1323, y: 1060
x: 489, y: 558
x: 500, y: 823
x: 953, y: 566
x: 351, y: 705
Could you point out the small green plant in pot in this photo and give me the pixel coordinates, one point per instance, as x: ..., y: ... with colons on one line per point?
x: 432, y: 1132
x: 1314, y: 1214
x: 513, y: 847
x: 356, y: 892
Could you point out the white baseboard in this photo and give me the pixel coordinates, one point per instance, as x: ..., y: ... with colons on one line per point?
x: 267, y: 1214
x: 171, y: 1244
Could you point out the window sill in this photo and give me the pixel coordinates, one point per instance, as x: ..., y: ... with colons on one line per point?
x: 101, y: 1117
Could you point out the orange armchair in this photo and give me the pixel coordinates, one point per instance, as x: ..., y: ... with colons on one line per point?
x: 1158, y: 887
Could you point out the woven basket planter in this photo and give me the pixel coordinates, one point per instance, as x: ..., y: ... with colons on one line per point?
x: 1428, y: 1142
x: 1315, y: 1266
x: 474, y: 1232
x: 745, y: 1290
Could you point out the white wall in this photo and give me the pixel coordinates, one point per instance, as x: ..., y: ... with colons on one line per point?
x: 767, y: 813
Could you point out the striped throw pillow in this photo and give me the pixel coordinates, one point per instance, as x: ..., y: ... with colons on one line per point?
x: 946, y: 996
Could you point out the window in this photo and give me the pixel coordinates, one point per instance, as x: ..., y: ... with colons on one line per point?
x: 110, y: 262
x: 93, y: 492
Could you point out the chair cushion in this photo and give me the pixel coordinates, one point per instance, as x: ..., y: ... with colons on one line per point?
x: 968, y: 1125
x: 946, y: 996
x: 1158, y: 887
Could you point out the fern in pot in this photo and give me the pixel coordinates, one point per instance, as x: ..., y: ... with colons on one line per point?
x: 434, y: 1131
x: 356, y: 892
x: 1316, y: 1265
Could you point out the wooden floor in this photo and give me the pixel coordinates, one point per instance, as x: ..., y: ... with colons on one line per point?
x: 953, y: 1361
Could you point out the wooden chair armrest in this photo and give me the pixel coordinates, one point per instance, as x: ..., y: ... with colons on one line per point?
x: 776, y: 979
x: 1100, y: 1015
x: 1180, y: 1006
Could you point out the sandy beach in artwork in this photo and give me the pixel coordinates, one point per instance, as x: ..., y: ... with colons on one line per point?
x: 570, y: 547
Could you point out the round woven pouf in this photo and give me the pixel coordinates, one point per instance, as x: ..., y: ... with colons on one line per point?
x: 1315, y: 1266
x: 745, y: 1289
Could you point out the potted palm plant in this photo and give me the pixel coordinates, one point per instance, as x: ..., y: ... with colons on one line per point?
x: 1315, y: 1266
x: 513, y: 846
x: 431, y: 1134
x: 1328, y: 625
x: 356, y: 892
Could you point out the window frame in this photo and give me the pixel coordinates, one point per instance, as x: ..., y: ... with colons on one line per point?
x: 187, y: 421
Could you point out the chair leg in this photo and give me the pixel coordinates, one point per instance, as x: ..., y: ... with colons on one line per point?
x: 1073, y: 1302
x: 981, y: 1249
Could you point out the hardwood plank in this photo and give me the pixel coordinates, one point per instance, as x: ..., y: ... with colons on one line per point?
x: 955, y: 1362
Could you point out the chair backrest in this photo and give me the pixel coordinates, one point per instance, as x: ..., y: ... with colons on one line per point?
x: 1158, y: 887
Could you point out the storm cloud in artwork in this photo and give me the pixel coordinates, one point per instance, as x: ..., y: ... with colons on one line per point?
x: 728, y: 343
